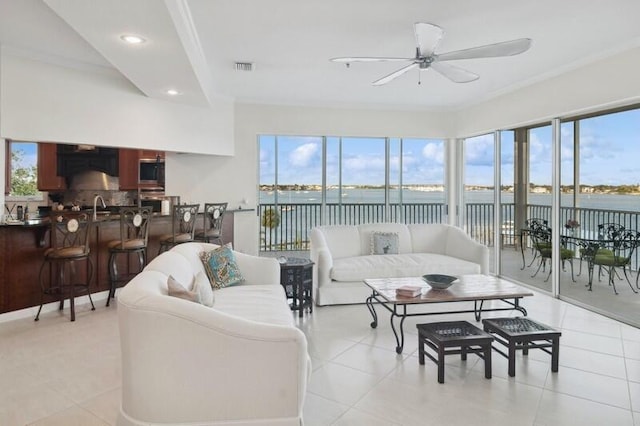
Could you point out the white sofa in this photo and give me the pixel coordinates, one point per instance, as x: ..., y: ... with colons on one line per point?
x: 241, y: 362
x: 342, y: 257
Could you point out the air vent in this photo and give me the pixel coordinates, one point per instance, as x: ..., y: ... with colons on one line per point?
x: 244, y: 66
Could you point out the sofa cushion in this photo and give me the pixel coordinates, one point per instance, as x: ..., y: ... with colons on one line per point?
x: 358, y: 268
x: 366, y: 230
x: 262, y: 303
x: 221, y: 267
x: 384, y: 243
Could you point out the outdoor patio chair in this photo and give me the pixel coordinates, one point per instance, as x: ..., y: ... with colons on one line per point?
x: 617, y: 254
x: 541, y: 237
x: 531, y: 226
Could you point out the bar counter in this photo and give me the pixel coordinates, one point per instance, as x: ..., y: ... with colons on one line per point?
x: 22, y: 249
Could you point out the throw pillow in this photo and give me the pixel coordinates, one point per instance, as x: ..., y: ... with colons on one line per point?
x: 202, y: 286
x: 221, y: 267
x: 384, y: 243
x: 177, y: 290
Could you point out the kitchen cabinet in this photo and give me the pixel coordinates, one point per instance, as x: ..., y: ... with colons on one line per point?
x: 128, y: 165
x: 48, y: 179
x: 147, y: 154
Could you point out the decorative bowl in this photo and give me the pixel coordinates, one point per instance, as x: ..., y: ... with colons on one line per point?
x: 439, y: 281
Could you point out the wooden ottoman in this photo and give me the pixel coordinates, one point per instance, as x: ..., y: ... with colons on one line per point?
x: 523, y: 334
x: 454, y: 337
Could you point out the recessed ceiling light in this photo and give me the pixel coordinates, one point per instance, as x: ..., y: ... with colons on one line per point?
x: 132, y: 39
x: 172, y: 92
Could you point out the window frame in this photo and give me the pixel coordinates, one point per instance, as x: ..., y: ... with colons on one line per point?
x: 39, y: 196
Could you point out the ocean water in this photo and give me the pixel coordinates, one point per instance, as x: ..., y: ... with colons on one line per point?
x: 627, y: 203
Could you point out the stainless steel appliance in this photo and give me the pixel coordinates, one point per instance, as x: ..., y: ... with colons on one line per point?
x: 158, y: 201
x: 151, y: 172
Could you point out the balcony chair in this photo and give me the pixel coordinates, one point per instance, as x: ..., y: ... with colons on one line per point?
x: 541, y: 237
x: 617, y: 254
x: 183, y: 226
x: 532, y: 225
x: 69, y: 233
x: 212, y: 223
x: 134, y: 236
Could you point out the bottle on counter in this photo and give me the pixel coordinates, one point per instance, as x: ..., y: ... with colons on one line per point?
x: 20, y: 213
x: 26, y: 213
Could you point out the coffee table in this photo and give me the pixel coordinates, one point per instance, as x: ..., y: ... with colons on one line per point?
x: 476, y: 288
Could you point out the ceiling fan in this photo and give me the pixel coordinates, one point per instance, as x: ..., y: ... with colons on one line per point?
x: 428, y: 37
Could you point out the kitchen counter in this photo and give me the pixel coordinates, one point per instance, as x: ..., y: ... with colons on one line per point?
x: 22, y: 248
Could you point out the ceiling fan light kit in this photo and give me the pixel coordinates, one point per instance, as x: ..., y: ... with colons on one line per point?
x: 428, y: 38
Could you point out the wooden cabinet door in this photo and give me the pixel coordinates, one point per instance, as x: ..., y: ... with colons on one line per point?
x: 128, y: 165
x: 148, y: 154
x: 48, y: 179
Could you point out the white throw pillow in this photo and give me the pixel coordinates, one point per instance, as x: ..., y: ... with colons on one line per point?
x: 201, y: 291
x: 384, y: 243
x: 202, y: 286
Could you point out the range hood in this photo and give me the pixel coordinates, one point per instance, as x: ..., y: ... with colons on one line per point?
x: 76, y: 159
x: 93, y: 180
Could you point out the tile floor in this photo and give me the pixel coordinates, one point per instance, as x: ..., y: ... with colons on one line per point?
x: 55, y: 372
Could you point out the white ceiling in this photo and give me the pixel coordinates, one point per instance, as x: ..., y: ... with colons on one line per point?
x: 193, y: 44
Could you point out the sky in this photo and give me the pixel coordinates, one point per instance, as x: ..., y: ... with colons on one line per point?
x: 609, y: 153
x: 29, y: 152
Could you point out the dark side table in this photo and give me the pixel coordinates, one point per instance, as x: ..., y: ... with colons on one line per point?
x: 523, y: 334
x: 453, y: 337
x: 296, y: 276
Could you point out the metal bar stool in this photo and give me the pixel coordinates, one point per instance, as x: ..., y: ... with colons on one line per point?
x: 69, y: 244
x: 212, y: 224
x: 134, y: 236
x: 183, y: 226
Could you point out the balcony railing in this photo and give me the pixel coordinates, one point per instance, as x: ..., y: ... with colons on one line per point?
x: 294, y: 221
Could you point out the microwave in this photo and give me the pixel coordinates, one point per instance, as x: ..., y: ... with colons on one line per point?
x: 151, y: 172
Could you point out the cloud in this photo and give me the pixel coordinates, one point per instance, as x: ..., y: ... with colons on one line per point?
x: 305, y: 155
x: 433, y: 151
x: 479, y: 150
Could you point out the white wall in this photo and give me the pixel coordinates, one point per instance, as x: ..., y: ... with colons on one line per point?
x: 607, y: 83
x: 46, y: 102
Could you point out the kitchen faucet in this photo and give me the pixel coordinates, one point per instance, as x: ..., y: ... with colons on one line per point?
x: 95, y: 205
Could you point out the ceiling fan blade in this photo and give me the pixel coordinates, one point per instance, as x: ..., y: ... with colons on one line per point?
x: 365, y: 59
x: 428, y: 37
x: 455, y: 74
x: 505, y: 48
x: 394, y: 75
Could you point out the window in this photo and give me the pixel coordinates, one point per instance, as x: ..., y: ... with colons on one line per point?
x: 22, y: 170
x: 307, y: 181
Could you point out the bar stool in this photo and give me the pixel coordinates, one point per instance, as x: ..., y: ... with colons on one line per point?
x: 183, y: 226
x: 69, y: 244
x: 134, y: 236
x: 212, y: 223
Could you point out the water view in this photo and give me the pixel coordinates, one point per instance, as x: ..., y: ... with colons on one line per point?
x: 622, y: 202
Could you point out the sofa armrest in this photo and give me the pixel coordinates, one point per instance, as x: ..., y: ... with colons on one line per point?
x: 460, y: 245
x: 322, y: 259
x: 233, y: 368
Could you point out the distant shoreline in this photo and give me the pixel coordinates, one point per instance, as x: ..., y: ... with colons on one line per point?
x: 535, y: 189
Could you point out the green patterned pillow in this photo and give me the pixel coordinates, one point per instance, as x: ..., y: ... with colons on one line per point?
x: 221, y: 267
